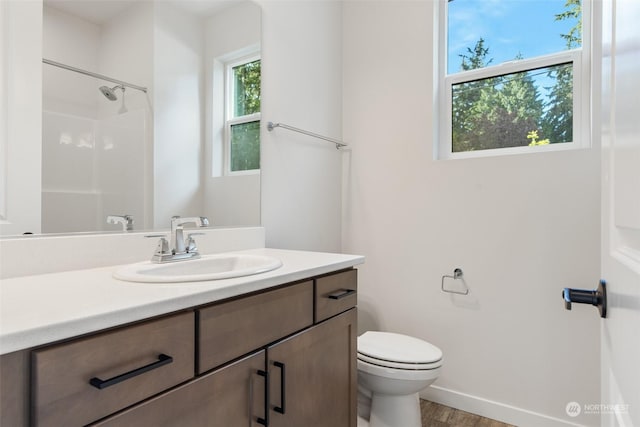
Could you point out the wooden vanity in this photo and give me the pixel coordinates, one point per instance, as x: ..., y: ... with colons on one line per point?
x: 280, y: 356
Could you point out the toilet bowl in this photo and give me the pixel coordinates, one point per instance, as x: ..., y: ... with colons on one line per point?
x: 392, y: 369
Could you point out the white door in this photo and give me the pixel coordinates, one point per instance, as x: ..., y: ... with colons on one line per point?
x: 620, y: 332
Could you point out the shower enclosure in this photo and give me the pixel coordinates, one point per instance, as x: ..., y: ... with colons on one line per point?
x: 96, y: 147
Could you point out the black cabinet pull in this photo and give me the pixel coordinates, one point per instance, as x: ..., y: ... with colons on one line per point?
x: 341, y: 293
x: 281, y: 409
x: 265, y: 421
x: 163, y: 359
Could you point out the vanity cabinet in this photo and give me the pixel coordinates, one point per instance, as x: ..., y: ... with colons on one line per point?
x: 311, y: 381
x: 284, y: 356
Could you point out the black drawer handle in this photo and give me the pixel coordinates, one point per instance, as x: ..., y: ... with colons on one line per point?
x: 163, y: 359
x: 265, y: 421
x: 342, y: 293
x: 281, y: 409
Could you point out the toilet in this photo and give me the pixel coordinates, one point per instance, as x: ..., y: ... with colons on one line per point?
x: 392, y: 369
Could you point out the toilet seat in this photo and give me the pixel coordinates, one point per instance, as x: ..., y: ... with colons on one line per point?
x: 388, y: 349
x: 399, y: 365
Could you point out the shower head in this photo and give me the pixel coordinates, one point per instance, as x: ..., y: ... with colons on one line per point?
x: 109, y: 92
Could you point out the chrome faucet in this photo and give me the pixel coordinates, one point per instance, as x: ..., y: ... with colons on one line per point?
x: 125, y: 220
x: 179, y: 248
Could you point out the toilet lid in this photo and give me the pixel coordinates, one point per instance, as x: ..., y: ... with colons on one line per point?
x: 397, y: 348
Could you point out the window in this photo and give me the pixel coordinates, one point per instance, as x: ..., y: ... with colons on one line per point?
x: 513, y: 76
x: 242, y: 133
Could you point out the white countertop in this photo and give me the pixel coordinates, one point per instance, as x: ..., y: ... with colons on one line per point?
x: 36, y: 310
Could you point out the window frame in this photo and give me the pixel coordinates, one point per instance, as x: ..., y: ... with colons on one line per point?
x: 229, y: 118
x: 580, y: 58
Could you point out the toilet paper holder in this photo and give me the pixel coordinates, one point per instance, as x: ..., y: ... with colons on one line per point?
x: 457, y: 275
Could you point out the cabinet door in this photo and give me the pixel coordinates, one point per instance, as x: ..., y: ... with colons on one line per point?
x: 227, y: 397
x: 313, y: 376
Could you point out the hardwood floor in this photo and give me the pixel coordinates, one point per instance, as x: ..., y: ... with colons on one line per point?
x: 436, y: 415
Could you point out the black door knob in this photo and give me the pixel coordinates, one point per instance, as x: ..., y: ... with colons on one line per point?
x: 597, y: 297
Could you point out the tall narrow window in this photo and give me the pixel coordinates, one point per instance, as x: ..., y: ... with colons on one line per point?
x: 243, y: 116
x: 513, y: 76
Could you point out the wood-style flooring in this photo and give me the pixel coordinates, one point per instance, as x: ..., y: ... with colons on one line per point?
x: 436, y: 415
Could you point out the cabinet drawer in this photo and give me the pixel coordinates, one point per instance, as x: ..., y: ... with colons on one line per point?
x: 62, y: 375
x: 336, y: 293
x: 231, y: 329
x: 227, y: 397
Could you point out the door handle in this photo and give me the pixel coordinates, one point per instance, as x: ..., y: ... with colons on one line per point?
x: 596, y: 297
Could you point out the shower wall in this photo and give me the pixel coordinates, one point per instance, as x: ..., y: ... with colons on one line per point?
x: 89, y: 170
x: 95, y: 161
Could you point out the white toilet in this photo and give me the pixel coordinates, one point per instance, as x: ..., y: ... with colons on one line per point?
x: 392, y: 369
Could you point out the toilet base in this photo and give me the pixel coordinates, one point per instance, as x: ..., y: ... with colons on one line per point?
x: 394, y: 411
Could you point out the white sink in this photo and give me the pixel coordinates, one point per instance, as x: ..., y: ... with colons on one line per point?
x: 208, y: 267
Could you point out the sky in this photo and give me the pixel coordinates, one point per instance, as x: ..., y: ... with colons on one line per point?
x: 508, y: 27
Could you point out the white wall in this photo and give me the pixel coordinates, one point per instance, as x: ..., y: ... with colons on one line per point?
x: 230, y: 33
x: 73, y: 41
x: 521, y: 227
x: 301, y: 71
x: 126, y: 53
x: 22, y: 92
x: 70, y: 191
x: 178, y: 114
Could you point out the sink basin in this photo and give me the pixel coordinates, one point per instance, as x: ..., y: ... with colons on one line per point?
x: 208, y: 267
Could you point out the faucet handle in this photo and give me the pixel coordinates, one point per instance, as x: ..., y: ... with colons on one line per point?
x: 162, y: 252
x: 190, y: 243
x: 163, y: 246
x: 125, y: 220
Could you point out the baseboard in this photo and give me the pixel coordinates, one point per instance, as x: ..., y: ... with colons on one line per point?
x: 490, y: 409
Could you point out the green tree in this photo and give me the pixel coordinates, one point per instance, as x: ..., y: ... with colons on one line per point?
x: 245, y: 137
x: 496, y: 112
x: 574, y: 11
x: 503, y: 111
x: 245, y: 146
x: 247, y: 85
x: 469, y: 99
x: 557, y: 123
x: 533, y: 136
